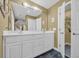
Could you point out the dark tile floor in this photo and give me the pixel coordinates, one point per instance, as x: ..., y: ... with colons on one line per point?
x: 68, y: 50
x: 50, y: 54
x: 55, y: 54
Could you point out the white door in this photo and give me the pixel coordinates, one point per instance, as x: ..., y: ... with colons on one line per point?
x: 61, y: 27
x: 38, y: 24
x: 31, y: 24
x: 75, y: 28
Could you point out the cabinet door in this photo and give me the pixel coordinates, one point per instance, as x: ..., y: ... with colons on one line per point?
x: 27, y: 49
x: 49, y: 41
x: 38, y: 47
x: 13, y: 51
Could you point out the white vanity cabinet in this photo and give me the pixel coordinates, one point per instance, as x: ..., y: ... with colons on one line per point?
x: 27, y: 45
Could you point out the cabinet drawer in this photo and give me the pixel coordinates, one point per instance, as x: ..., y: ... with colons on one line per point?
x: 28, y: 37
x: 13, y: 39
x: 32, y: 37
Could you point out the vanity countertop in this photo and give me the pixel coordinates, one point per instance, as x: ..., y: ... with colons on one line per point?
x: 12, y: 33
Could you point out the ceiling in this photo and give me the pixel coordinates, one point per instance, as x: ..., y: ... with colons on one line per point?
x: 45, y: 3
x: 20, y: 11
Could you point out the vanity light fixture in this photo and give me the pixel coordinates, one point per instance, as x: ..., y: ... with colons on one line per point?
x: 26, y: 4
x: 36, y: 8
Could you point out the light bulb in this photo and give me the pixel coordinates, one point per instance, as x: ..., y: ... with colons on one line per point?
x: 26, y: 4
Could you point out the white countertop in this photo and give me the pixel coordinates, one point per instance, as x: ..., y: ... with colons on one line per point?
x: 12, y: 33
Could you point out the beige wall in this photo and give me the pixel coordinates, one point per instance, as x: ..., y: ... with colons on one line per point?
x: 53, y: 12
x: 3, y: 26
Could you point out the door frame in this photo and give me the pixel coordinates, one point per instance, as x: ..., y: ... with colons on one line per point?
x: 64, y: 24
x: 62, y: 53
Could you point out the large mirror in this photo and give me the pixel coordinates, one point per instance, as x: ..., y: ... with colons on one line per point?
x: 25, y: 18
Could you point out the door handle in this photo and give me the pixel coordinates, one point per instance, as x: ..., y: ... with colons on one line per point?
x: 75, y: 33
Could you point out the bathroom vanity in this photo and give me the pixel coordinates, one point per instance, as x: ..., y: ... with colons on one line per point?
x: 26, y: 44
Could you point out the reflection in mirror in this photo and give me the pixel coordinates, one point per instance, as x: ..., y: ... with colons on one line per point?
x: 19, y: 20
x: 68, y: 30
x: 33, y: 23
